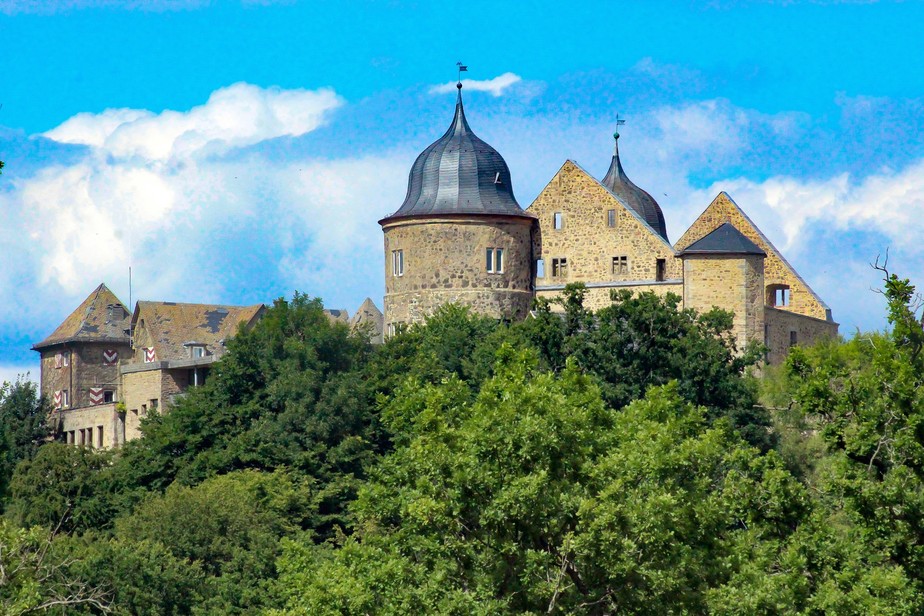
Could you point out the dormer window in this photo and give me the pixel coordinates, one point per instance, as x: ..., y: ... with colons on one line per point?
x: 196, y: 350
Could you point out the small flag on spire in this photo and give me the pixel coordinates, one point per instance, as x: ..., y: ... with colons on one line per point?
x: 462, y: 69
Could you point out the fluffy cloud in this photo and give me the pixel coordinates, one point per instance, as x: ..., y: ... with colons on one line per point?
x: 195, y: 203
x: 495, y: 86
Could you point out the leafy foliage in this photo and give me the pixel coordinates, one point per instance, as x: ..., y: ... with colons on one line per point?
x: 23, y: 427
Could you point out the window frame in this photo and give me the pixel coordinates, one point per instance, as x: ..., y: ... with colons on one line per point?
x: 397, y: 262
x: 558, y: 221
x: 611, y: 219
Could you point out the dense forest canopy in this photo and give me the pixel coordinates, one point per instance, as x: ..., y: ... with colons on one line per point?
x: 619, y: 461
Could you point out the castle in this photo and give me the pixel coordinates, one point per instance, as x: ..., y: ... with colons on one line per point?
x: 459, y: 236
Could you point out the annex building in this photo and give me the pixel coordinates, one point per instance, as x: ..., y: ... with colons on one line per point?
x: 105, y: 368
x: 459, y: 236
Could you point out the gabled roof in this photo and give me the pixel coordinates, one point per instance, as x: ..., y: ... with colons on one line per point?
x: 662, y: 238
x: 368, y: 312
x: 100, y: 318
x: 776, y: 268
x: 174, y: 327
x: 724, y: 240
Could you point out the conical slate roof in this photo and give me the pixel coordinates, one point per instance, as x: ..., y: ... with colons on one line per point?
x: 633, y: 196
x: 100, y: 318
x: 459, y: 174
x: 724, y: 240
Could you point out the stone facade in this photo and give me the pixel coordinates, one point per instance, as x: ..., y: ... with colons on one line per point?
x: 100, y: 426
x: 444, y: 259
x: 777, y: 271
x: 784, y: 329
x: 586, y: 239
x: 730, y: 282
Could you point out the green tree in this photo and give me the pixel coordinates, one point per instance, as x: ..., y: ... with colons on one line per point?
x: 230, y: 527
x: 289, y: 394
x: 23, y: 428
x: 64, y: 487
x: 34, y: 578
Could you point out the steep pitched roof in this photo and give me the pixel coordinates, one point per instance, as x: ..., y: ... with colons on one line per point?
x: 100, y: 318
x: 724, y: 240
x: 172, y: 327
x: 368, y: 312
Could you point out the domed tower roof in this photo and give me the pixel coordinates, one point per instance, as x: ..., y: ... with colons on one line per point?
x: 633, y: 196
x: 459, y: 174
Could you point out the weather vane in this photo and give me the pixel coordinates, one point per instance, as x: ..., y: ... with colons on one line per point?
x: 462, y: 69
x: 619, y: 122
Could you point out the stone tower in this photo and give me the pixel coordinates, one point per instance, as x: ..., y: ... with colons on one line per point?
x: 460, y: 236
x: 726, y: 269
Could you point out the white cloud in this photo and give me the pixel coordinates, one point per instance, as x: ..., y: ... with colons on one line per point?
x: 235, y: 116
x: 495, y: 86
x: 198, y: 213
x: 10, y: 373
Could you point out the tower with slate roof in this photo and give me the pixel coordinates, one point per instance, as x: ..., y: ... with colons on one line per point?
x: 460, y: 236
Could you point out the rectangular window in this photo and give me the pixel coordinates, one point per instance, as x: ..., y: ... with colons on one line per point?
x: 99, y: 435
x: 64, y: 400
x: 611, y: 218
x: 793, y: 338
x: 397, y: 262
x: 660, y: 267
x: 560, y: 268
x: 65, y: 358
x: 154, y: 404
x: 540, y: 268
x: 620, y: 266
x: 557, y: 220
x: 108, y: 396
x: 494, y: 260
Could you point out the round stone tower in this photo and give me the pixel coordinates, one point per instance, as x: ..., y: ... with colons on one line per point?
x: 460, y: 236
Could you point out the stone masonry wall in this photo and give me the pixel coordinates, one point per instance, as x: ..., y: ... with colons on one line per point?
x: 96, y: 426
x: 776, y: 270
x: 85, y: 369
x: 586, y: 240
x: 780, y: 325
x: 734, y: 283
x: 139, y: 388
x: 599, y: 297
x: 444, y: 261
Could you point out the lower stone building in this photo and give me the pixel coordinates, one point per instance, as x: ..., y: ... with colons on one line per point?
x: 105, y: 369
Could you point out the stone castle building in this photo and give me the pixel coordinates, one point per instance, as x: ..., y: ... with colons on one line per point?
x: 461, y: 236
x: 105, y: 368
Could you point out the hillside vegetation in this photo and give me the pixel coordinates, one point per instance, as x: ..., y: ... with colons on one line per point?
x: 622, y: 461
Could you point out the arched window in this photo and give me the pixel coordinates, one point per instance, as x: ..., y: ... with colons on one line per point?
x: 778, y: 295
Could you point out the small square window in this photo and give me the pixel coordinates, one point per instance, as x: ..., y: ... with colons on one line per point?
x: 108, y: 396
x: 557, y: 220
x: 611, y: 218
x: 620, y: 266
x: 560, y: 267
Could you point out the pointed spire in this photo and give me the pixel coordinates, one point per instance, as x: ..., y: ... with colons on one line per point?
x: 631, y: 195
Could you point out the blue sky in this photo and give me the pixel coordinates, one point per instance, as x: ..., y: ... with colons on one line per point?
x: 234, y: 152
